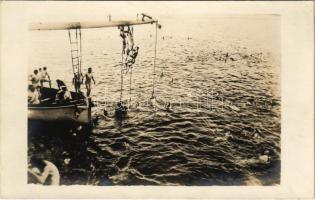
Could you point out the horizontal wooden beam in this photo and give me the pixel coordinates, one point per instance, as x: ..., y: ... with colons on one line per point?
x: 86, y: 25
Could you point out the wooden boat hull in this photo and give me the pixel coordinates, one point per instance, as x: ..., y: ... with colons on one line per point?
x: 69, y: 113
x: 75, y: 111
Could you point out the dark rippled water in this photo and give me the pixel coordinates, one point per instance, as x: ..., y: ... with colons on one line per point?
x: 225, y: 113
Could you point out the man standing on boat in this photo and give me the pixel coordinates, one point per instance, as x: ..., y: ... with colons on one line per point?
x: 88, y: 80
x: 77, y: 81
x: 34, y: 78
x: 44, y: 77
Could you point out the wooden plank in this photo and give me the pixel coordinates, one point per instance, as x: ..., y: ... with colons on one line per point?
x: 86, y: 25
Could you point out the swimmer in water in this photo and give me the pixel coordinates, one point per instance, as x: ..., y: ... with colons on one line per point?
x: 227, y: 135
x: 44, y: 77
x: 226, y: 57
x: 105, y: 113
x: 160, y: 105
x: 260, y: 159
x: 256, y: 135
x: 265, y: 157
x: 43, y: 172
x: 120, y: 110
x: 168, y: 106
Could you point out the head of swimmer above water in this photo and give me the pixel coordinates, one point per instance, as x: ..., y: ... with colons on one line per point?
x: 38, y: 163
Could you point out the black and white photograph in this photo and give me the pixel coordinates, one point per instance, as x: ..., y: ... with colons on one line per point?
x: 144, y: 99
x: 165, y: 99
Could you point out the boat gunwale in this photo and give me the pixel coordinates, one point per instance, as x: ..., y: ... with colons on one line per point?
x: 55, y: 107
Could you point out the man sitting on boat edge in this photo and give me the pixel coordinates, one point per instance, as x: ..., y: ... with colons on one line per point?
x: 35, y: 80
x: 63, y: 95
x: 33, y: 96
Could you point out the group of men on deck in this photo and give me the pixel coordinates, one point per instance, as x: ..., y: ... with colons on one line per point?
x: 39, y: 77
x: 36, y: 82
